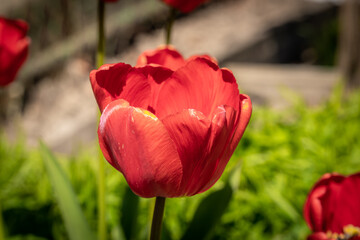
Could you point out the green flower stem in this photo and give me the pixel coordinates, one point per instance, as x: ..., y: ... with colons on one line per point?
x: 100, y: 55
x: 157, y: 218
x: 2, y: 234
x: 102, y: 234
x: 170, y: 24
x: 101, y: 34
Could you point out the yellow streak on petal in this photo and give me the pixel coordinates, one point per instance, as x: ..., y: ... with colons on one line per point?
x: 146, y: 113
x: 245, y: 106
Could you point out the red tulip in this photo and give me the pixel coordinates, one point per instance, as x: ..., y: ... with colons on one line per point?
x: 13, y: 48
x: 167, y: 56
x: 169, y: 125
x: 332, y: 209
x: 184, y: 6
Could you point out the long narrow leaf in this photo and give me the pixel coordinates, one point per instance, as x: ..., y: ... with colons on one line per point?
x: 129, y: 212
x: 208, y: 214
x: 75, y: 222
x: 165, y: 232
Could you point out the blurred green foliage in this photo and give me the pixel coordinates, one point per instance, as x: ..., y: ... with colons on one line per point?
x: 282, y: 154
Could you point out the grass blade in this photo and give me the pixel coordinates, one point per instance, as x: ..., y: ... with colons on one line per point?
x: 208, y: 214
x: 75, y: 222
x: 129, y: 213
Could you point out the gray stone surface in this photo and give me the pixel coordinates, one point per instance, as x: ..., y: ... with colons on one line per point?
x: 276, y: 85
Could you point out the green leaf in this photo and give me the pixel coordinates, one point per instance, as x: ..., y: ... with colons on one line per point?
x: 165, y: 232
x: 129, y: 213
x: 75, y: 222
x: 208, y: 213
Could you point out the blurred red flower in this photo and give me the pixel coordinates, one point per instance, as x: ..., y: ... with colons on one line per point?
x: 332, y: 209
x: 13, y: 48
x: 184, y: 6
x: 170, y: 125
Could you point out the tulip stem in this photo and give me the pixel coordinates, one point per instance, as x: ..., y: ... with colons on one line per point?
x: 170, y: 23
x: 101, y: 34
x: 2, y: 234
x: 100, y: 56
x: 157, y: 218
x: 101, y: 198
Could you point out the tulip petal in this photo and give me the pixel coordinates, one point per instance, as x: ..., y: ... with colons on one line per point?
x: 15, y: 59
x: 108, y: 81
x: 237, y: 122
x: 190, y: 131
x: 316, y: 207
x: 199, y: 85
x: 184, y: 6
x: 156, y: 77
x: 139, y: 86
x: 200, y: 143
x: 14, y: 48
x: 245, y: 110
x: 345, y: 207
x: 202, y: 56
x: 135, y: 142
x: 333, y: 203
x: 318, y: 236
x: 223, y: 127
x: 330, y: 202
x: 13, y: 29
x: 165, y: 56
x: 114, y: 81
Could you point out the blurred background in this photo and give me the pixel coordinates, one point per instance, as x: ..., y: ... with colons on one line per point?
x: 298, y: 60
x: 268, y: 45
